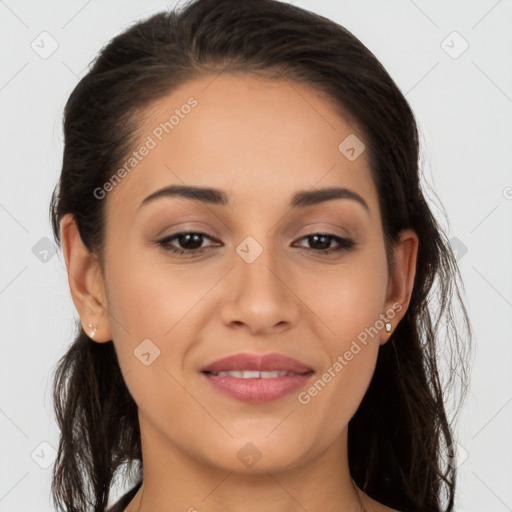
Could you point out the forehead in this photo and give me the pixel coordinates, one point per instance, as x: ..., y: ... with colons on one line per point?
x: 252, y: 137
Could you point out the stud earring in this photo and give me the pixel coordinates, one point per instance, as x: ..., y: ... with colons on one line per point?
x: 388, y: 326
x: 92, y: 331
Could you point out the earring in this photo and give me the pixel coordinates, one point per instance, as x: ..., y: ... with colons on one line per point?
x: 388, y: 326
x: 92, y: 331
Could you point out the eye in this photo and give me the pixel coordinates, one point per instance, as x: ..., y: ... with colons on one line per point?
x: 190, y: 241
x: 321, y: 243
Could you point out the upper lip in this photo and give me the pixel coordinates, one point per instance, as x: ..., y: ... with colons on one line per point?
x: 257, y: 362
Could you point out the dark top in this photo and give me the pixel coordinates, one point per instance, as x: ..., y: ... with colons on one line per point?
x: 123, y: 502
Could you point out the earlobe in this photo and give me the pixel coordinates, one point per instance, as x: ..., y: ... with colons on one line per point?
x: 401, y: 279
x: 85, y: 282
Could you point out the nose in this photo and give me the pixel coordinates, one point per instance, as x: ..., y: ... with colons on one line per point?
x: 259, y: 295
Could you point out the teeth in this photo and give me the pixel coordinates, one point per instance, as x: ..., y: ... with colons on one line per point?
x: 250, y: 374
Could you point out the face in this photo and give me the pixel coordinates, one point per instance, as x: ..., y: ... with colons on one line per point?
x: 263, y: 270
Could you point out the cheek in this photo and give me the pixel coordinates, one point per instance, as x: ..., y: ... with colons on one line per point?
x: 352, y: 348
x: 152, y: 325
x: 149, y: 299
x: 156, y: 309
x: 348, y: 300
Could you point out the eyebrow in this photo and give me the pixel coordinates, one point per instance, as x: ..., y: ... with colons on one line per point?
x: 218, y: 197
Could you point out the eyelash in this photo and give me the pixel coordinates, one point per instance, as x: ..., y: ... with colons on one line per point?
x: 345, y: 243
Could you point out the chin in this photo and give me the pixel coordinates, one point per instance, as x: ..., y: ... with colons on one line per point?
x: 259, y: 454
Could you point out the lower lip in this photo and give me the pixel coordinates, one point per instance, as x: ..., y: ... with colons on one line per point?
x: 257, y: 391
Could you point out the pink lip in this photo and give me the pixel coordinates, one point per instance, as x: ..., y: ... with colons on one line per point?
x: 259, y: 390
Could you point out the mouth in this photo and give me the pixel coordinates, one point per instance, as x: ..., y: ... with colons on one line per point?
x: 257, y: 379
x: 251, y: 374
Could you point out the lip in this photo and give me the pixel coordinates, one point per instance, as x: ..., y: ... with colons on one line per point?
x: 257, y: 390
x: 257, y: 362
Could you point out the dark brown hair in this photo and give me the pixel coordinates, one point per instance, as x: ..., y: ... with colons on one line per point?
x: 400, y: 439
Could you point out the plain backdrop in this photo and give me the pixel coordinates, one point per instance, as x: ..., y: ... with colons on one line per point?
x: 451, y: 59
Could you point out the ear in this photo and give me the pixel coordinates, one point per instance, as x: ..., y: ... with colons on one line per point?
x: 401, y: 279
x: 85, y: 280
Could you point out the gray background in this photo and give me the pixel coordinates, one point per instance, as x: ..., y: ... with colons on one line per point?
x: 463, y: 104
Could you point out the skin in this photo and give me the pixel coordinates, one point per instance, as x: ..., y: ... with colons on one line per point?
x: 259, y: 141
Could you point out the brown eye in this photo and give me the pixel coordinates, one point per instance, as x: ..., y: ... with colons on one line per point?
x: 188, y: 242
x: 322, y: 243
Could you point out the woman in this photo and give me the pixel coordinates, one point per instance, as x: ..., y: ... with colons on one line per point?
x: 254, y: 265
